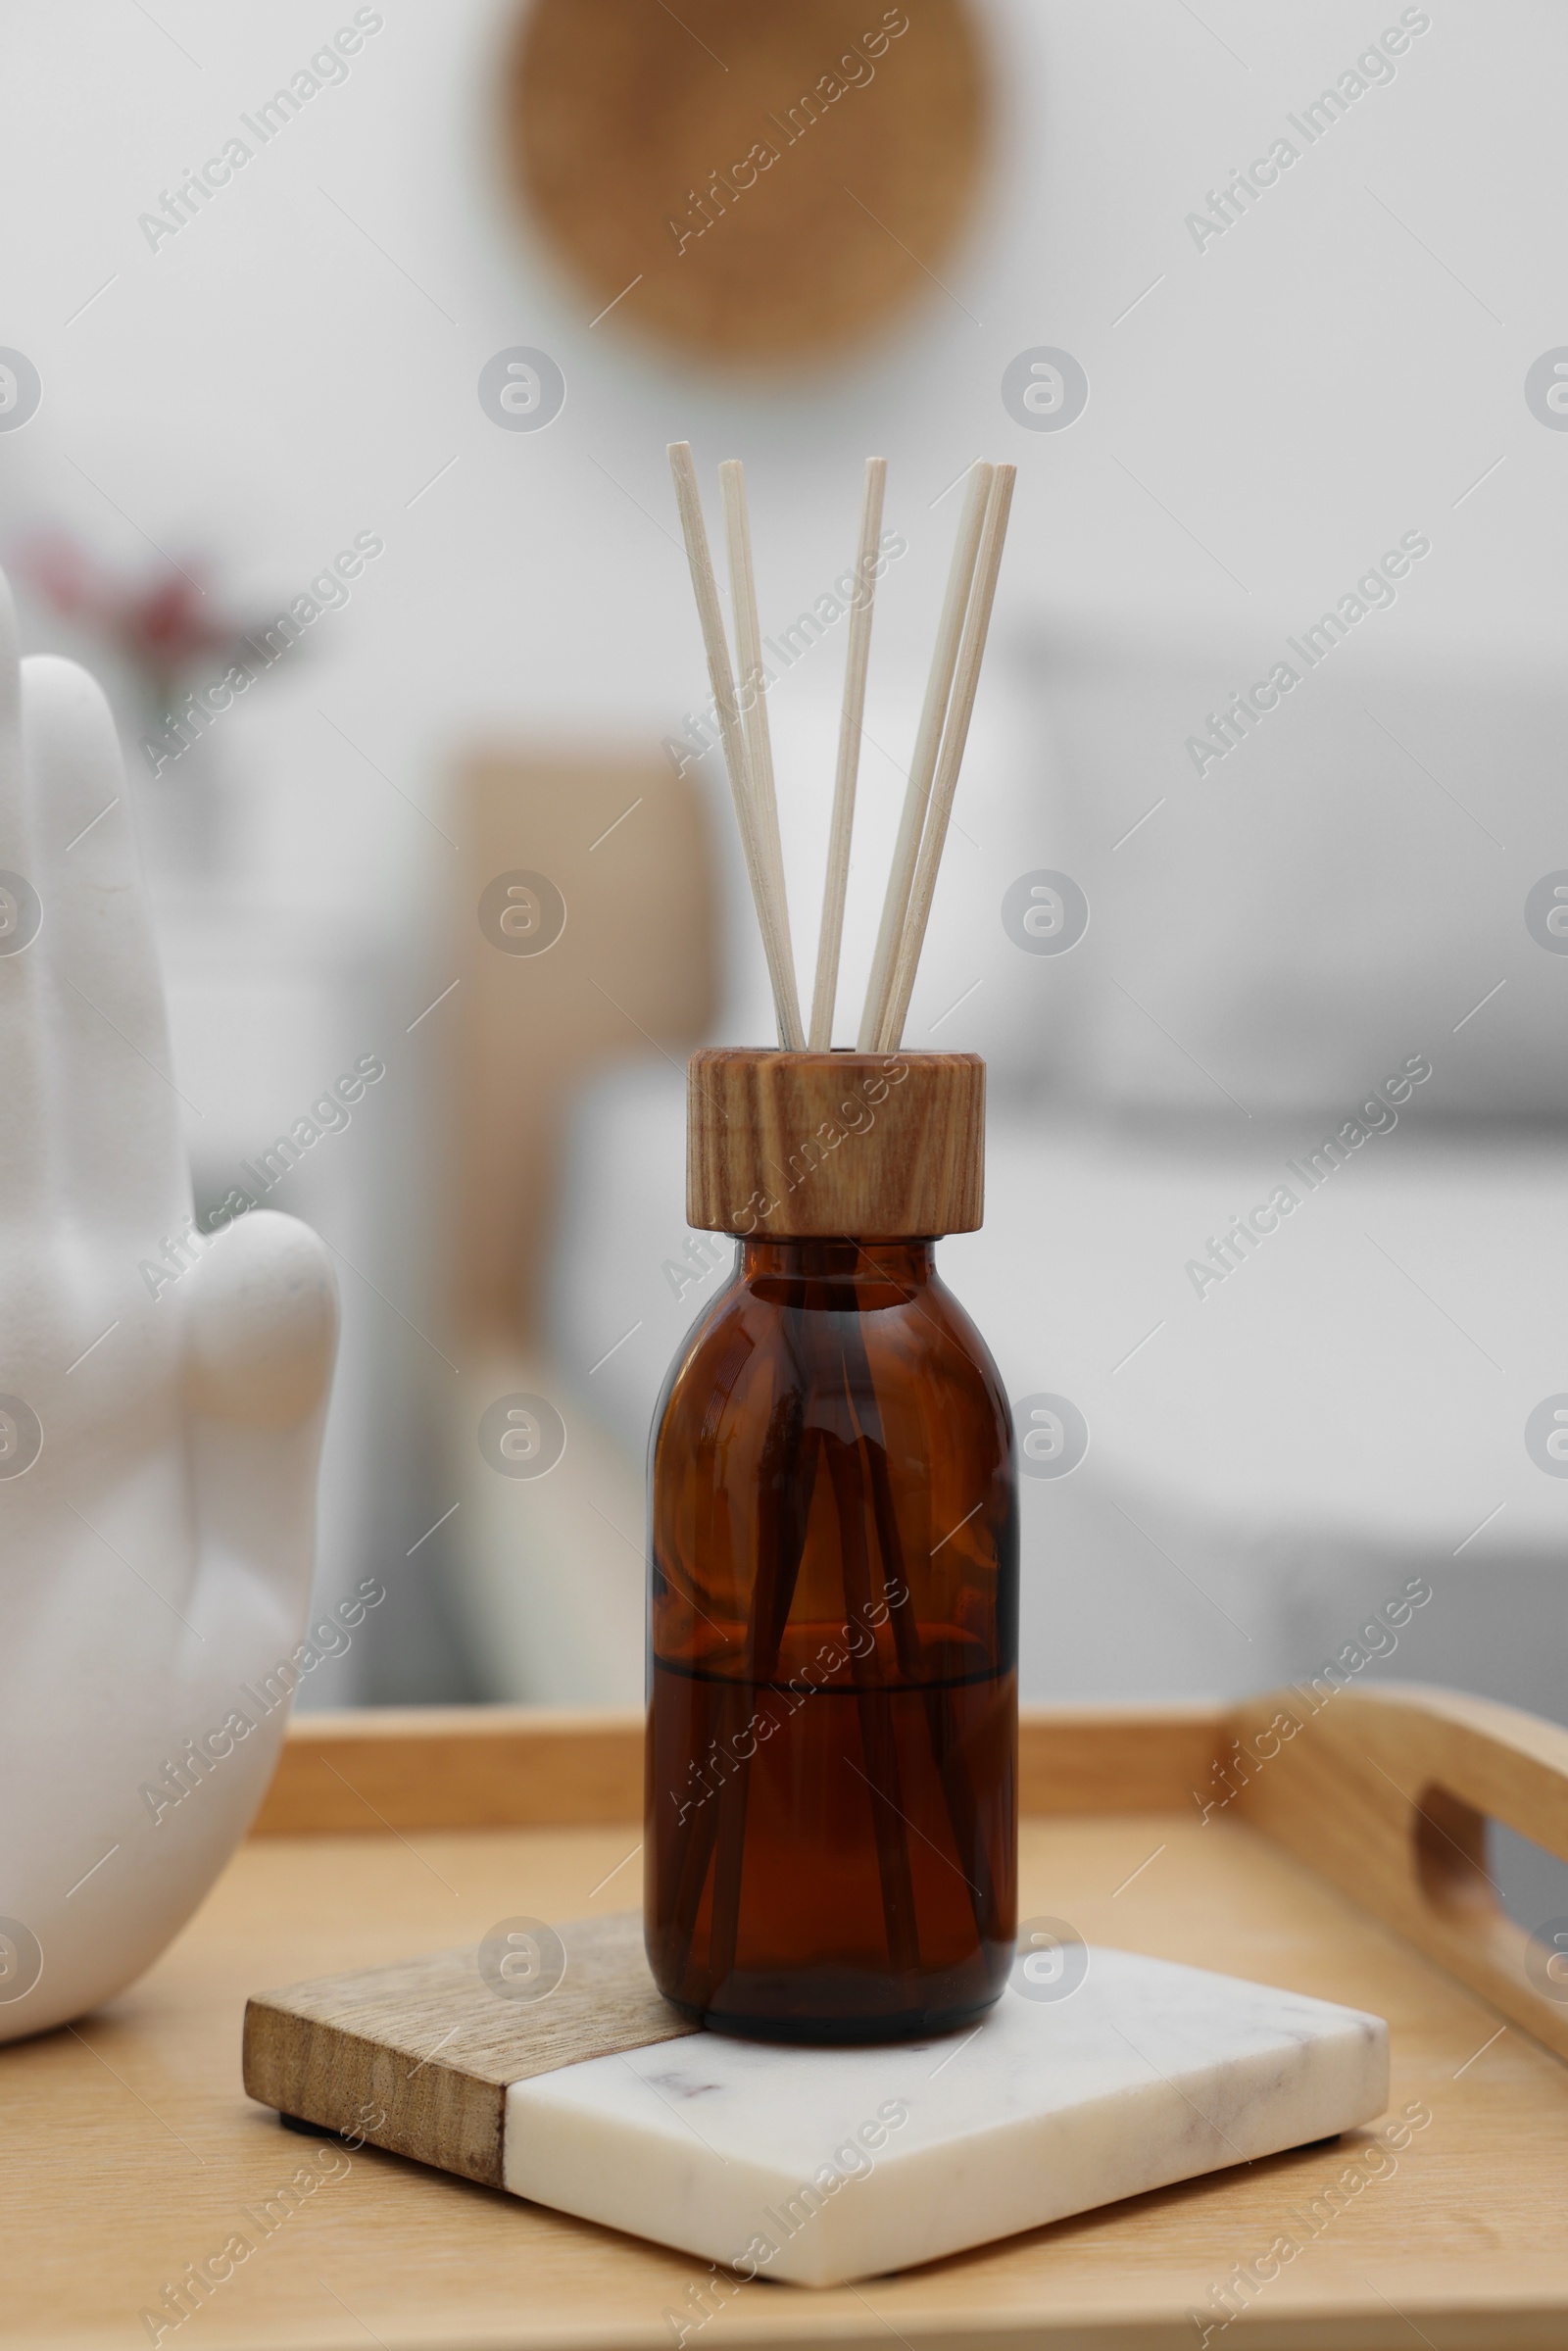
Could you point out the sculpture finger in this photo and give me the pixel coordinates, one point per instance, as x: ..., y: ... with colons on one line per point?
x: 117, y: 1113
x: 261, y: 1327
x: 261, y: 1330
x: 23, y: 1097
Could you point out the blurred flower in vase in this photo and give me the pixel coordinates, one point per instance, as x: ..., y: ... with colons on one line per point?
x: 181, y: 658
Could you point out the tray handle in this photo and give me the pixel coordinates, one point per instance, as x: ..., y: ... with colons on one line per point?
x: 1387, y: 1792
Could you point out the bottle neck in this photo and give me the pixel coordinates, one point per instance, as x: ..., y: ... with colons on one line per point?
x: 863, y: 1265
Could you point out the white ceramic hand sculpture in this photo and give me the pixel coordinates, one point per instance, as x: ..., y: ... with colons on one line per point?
x: 158, y: 1455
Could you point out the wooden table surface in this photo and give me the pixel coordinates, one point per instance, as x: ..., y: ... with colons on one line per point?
x: 128, y: 2150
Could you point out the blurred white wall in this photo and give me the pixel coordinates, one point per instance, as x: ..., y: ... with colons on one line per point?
x: 301, y: 361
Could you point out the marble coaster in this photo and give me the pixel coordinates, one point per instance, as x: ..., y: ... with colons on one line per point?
x: 823, y: 2166
x: 546, y: 2061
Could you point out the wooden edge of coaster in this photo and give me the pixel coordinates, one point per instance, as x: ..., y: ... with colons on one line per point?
x: 364, y: 2092
x: 416, y: 2056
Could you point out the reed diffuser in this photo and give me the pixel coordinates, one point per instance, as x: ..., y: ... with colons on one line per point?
x: 832, y: 1741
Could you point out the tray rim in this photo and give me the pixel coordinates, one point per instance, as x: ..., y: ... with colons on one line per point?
x: 505, y: 1766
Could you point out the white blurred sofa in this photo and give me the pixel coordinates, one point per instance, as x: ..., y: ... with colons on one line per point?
x: 1277, y: 1455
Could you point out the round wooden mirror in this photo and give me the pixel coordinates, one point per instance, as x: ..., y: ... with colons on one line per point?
x: 751, y: 181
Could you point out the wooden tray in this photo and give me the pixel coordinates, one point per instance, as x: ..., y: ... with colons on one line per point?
x: 1349, y: 1866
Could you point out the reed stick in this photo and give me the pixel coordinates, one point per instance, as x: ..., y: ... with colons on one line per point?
x: 830, y: 938
x: 923, y: 764
x: 947, y: 1754
x: 705, y: 587
x: 753, y: 701
x: 879, y: 1743
x: 966, y: 679
x: 791, y: 1455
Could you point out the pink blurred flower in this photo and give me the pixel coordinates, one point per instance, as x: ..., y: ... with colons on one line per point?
x: 162, y: 624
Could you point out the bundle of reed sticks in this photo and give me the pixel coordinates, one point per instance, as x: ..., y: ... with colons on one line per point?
x: 938, y: 756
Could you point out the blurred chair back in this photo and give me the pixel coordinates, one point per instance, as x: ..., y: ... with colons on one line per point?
x: 589, y: 937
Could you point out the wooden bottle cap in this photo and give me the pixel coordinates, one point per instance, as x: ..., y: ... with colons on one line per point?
x: 795, y: 1147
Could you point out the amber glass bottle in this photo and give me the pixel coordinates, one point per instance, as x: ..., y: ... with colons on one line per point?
x: 832, y: 1743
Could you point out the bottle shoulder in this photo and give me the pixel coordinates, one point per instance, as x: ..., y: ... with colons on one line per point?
x: 806, y: 1334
